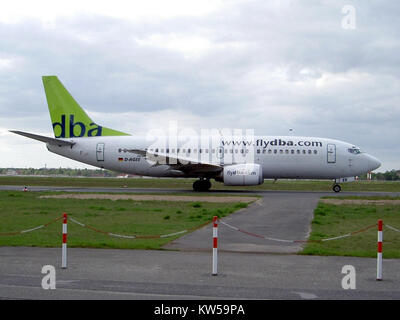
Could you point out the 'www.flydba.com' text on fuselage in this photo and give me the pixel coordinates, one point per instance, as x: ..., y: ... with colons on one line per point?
x: 275, y: 142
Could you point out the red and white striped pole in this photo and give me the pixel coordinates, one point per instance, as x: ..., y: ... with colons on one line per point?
x: 379, y: 257
x: 64, y: 243
x: 215, y: 247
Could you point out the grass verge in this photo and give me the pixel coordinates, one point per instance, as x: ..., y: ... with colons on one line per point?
x: 334, y: 220
x: 25, y: 210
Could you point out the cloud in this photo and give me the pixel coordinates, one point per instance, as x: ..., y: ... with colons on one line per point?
x: 269, y: 66
x: 48, y: 11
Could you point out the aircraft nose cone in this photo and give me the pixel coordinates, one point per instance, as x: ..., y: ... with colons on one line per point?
x: 373, y: 163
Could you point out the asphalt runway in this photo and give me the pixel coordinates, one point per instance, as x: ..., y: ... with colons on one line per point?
x: 180, y: 275
x: 276, y: 215
x: 249, y: 267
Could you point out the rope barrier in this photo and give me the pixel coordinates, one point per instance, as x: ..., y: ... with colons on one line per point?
x: 252, y: 234
x: 30, y: 230
x: 295, y: 241
x: 392, y: 228
x: 104, y: 232
x: 136, y: 236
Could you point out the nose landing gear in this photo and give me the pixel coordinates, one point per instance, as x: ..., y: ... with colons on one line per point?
x: 336, y: 187
x: 202, y: 185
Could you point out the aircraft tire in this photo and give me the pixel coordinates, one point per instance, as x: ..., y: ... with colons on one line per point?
x: 197, y: 185
x: 201, y: 185
x: 336, y: 188
x: 207, y: 184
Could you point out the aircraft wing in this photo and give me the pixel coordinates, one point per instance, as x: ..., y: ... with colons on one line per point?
x: 185, y: 164
x: 53, y: 141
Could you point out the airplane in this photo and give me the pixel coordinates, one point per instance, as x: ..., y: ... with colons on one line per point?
x: 235, y: 160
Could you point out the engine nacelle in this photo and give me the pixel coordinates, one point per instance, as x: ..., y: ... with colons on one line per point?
x: 245, y: 174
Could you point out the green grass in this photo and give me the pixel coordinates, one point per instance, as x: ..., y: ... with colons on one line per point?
x: 334, y: 220
x: 25, y: 210
x: 364, y: 197
x: 296, y: 185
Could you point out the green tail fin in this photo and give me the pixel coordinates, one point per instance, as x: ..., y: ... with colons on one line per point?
x: 68, y: 118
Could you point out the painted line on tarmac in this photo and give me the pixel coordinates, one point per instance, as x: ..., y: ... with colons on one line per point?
x: 306, y: 295
x: 117, y: 293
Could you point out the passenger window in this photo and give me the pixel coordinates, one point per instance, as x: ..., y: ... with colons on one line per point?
x: 315, y: 151
x: 292, y: 151
x: 287, y: 151
x: 269, y: 151
x: 258, y: 151
x: 275, y: 151
x: 304, y: 151
x: 298, y: 151
x: 281, y: 151
x: 309, y: 151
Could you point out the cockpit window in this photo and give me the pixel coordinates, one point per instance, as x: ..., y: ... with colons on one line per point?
x: 354, y: 150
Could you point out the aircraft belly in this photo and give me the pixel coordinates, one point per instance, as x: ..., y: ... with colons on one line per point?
x: 300, y: 168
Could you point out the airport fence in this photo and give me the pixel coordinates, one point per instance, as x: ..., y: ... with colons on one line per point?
x: 379, y: 224
x: 295, y: 241
x: 215, y: 222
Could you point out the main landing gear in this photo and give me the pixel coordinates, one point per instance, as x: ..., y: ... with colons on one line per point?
x: 202, y: 185
x: 336, y: 187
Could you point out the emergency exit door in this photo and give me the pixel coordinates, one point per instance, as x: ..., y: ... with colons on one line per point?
x: 331, y: 153
x: 100, y: 152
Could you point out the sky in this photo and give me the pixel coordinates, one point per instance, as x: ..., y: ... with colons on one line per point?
x: 326, y: 68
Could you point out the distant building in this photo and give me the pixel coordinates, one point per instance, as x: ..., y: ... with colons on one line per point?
x: 11, y: 172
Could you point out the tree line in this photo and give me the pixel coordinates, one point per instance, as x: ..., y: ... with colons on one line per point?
x: 59, y: 172
x: 392, y: 175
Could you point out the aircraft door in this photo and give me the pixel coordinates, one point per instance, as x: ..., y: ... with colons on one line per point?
x: 100, y: 152
x: 331, y: 153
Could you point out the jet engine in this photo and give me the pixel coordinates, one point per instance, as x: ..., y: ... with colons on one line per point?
x: 245, y: 174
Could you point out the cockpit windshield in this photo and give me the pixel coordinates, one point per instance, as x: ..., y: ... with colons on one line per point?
x: 354, y: 150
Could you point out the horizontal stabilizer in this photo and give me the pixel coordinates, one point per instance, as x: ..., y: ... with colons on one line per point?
x: 53, y: 141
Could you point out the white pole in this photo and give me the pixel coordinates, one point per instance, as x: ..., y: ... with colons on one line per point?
x: 64, y: 243
x: 215, y: 247
x: 379, y: 256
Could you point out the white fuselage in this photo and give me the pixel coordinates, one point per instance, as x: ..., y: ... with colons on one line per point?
x: 278, y: 156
